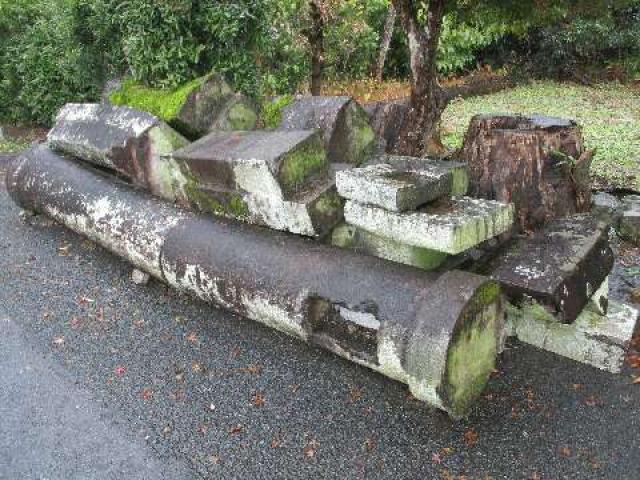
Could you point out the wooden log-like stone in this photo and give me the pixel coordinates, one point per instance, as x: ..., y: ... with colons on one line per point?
x: 127, y: 141
x: 560, y: 266
x: 437, y: 333
x: 537, y: 163
x: 345, y: 125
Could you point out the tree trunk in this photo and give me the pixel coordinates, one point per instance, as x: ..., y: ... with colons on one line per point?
x: 419, y: 133
x: 538, y: 163
x: 316, y: 41
x: 386, y: 41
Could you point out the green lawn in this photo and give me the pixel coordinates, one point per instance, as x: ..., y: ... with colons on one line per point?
x: 609, y: 115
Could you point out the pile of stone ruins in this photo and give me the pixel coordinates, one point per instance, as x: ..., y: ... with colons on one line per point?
x: 400, y: 264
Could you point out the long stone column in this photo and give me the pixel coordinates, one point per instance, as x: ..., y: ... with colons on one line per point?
x: 437, y: 333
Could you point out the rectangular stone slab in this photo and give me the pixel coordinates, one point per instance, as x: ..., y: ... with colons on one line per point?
x: 276, y: 163
x: 117, y: 138
x: 560, y: 266
x: 348, y: 236
x: 594, y: 339
x: 394, y: 189
x: 451, y: 228
x: 459, y: 170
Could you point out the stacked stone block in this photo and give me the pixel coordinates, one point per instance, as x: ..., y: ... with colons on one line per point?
x: 412, y: 210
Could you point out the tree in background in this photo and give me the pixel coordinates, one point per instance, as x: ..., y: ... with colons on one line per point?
x: 315, y: 35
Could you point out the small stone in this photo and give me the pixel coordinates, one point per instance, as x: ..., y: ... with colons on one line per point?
x: 348, y: 236
x: 139, y: 277
x: 606, y: 208
x: 394, y: 189
x: 348, y: 135
x: 593, y: 339
x: 450, y: 228
x: 629, y: 228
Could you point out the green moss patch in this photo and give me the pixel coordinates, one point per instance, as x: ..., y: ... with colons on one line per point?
x: 241, y: 117
x: 163, y: 103
x: 305, y: 163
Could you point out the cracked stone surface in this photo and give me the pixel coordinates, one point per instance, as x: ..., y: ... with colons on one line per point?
x: 560, y: 266
x: 452, y: 227
x: 394, y: 189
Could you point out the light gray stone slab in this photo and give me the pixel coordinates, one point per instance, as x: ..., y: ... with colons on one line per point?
x: 394, y: 189
x: 594, y: 339
x: 452, y: 228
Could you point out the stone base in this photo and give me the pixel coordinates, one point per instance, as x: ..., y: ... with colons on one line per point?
x: 348, y: 236
x: 594, y: 339
x: 449, y: 228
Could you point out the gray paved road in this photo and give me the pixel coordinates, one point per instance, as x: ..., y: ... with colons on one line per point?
x: 178, y: 382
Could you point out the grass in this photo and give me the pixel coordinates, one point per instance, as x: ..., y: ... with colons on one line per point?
x: 609, y: 115
x: 13, y: 146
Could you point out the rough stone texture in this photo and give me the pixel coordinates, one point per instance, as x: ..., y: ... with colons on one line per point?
x: 394, y: 189
x: 537, y: 163
x: 437, y: 333
x: 348, y: 236
x: 560, y: 266
x: 122, y: 139
x: 201, y: 106
x: 594, y: 339
x: 459, y: 170
x: 629, y: 228
x: 281, y: 164
x: 347, y: 133
x: 606, y: 208
x: 386, y: 119
x: 452, y: 227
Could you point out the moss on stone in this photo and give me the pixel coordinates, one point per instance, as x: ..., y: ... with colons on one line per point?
x: 272, y: 110
x: 343, y: 236
x: 363, y: 139
x: 328, y: 203
x: 163, y: 103
x: 241, y: 117
x: 303, y: 164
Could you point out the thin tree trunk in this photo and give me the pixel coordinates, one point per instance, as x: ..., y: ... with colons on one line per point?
x: 419, y: 134
x: 316, y: 41
x: 389, y: 25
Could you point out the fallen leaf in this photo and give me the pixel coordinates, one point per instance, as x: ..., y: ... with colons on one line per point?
x: 577, y: 386
x: 310, y: 450
x: 470, y: 437
x: 215, y: 459
x: 119, y: 370
x: 235, y: 352
x: 592, y: 401
x: 258, y: 399
x: 58, y: 341
x: 76, y: 322
x: 565, y: 451
x: 355, y: 394
x: 369, y: 445
x: 203, y: 429
x: 236, y: 429
x: 192, y: 337
x: 294, y: 388
x: 254, y: 369
x: 82, y: 301
x: 196, y: 367
x: 276, y: 443
x: 63, y: 251
x: 146, y: 394
x: 435, y: 458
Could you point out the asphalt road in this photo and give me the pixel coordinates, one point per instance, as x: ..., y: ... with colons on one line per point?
x: 101, y: 378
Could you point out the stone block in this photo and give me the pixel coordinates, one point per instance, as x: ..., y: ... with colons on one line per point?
x: 121, y: 139
x: 451, y: 227
x: 629, y: 228
x: 280, y: 164
x: 559, y: 266
x: 348, y: 236
x: 393, y: 189
x: 459, y: 170
x: 606, y: 208
x: 195, y: 108
x: 594, y: 339
x: 347, y: 132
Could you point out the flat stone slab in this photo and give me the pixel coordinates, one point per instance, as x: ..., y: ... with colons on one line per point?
x: 459, y: 170
x: 560, y: 266
x: 279, y: 164
x: 348, y: 236
x: 594, y: 339
x: 345, y: 125
x: 393, y: 189
x: 122, y: 139
x: 450, y: 228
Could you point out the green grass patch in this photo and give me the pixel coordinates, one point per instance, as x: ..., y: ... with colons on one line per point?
x: 13, y: 146
x: 609, y: 115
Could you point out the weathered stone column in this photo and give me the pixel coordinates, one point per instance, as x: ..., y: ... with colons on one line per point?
x: 437, y: 333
